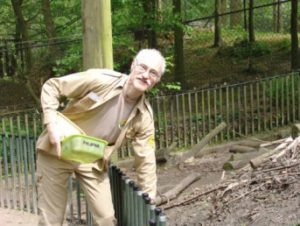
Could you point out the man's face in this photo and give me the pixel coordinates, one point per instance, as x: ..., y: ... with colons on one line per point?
x: 145, y: 73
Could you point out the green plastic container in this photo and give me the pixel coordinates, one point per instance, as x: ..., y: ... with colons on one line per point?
x: 82, y: 148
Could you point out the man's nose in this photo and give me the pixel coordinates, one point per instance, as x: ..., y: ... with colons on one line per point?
x: 146, y: 74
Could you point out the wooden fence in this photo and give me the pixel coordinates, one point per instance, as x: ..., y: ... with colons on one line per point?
x: 247, y: 108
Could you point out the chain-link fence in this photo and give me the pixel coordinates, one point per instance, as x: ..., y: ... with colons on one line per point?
x: 253, y: 42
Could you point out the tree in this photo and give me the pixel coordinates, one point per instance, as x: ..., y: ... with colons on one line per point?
x: 217, y: 40
x: 276, y: 16
x: 251, y: 36
x: 295, y: 59
x: 223, y: 9
x: 21, y: 33
x: 235, y: 18
x: 251, y: 24
x: 53, y: 50
x: 97, y: 34
x: 178, y: 44
x: 150, y: 18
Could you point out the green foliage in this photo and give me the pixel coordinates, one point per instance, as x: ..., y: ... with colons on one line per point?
x: 70, y: 62
x: 165, y: 88
x: 244, y: 49
x: 284, y: 45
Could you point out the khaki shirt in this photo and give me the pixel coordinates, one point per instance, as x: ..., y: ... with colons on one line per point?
x: 106, y: 84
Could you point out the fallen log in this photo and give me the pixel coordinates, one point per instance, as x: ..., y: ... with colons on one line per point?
x: 272, y: 142
x: 292, y: 146
x: 256, y: 162
x: 237, y: 161
x: 198, y: 147
x: 162, y: 155
x: 173, y: 193
x: 250, y: 143
x: 295, y: 130
x: 241, y: 149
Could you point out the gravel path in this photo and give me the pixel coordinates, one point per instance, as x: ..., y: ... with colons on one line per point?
x: 9, y: 217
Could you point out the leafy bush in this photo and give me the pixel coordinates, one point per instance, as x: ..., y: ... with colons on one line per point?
x: 244, y: 49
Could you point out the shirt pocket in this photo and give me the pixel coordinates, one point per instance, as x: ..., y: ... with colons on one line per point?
x: 83, y: 104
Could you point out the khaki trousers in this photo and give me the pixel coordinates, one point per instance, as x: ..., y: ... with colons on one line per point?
x: 52, y: 183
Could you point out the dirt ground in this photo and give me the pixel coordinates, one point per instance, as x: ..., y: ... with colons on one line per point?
x: 269, y: 195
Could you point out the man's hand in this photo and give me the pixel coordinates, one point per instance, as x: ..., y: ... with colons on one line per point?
x: 54, y: 137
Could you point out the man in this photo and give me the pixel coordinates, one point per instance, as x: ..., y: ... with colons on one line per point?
x: 107, y: 105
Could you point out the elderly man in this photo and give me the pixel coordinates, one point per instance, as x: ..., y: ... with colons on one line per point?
x: 104, y: 104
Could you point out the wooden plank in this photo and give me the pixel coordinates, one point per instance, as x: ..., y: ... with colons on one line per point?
x: 298, y: 96
x: 159, y: 123
x: 277, y: 101
x: 293, y: 77
x: 239, y: 111
x: 282, y: 102
x: 233, y: 112
x: 215, y: 111
x: 288, y: 92
x: 264, y: 105
x: 197, y: 117
x: 252, y: 108
x: 221, y: 110
x: 271, y: 102
x: 245, y: 110
x: 165, y: 120
x: 2, y: 193
x: 184, y: 119
x: 227, y: 112
x: 172, y: 121
x: 178, y: 121
x: 208, y: 110
x: 191, y: 132
x: 203, y: 113
x: 258, y: 107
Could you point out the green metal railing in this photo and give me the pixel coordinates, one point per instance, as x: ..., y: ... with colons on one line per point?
x: 132, y: 206
x: 18, y: 188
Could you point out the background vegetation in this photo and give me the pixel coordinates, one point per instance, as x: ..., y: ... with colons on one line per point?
x: 207, y: 43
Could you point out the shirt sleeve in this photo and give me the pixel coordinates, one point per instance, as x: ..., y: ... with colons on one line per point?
x: 72, y: 86
x: 145, y: 162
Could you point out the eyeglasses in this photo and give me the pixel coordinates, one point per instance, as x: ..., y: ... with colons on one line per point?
x: 142, y: 68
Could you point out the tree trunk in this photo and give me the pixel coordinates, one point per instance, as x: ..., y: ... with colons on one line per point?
x: 223, y: 9
x: 97, y: 34
x: 198, y: 147
x: 22, y: 31
x: 276, y: 16
x: 295, y: 130
x: 251, y: 21
x: 53, y: 51
x: 294, y: 36
x: 173, y: 193
x: 245, y: 15
x: 235, y: 18
x: 217, y: 40
x: 150, y: 18
x: 251, y: 35
x: 178, y: 45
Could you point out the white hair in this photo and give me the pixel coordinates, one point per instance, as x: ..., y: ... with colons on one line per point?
x: 154, y: 53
